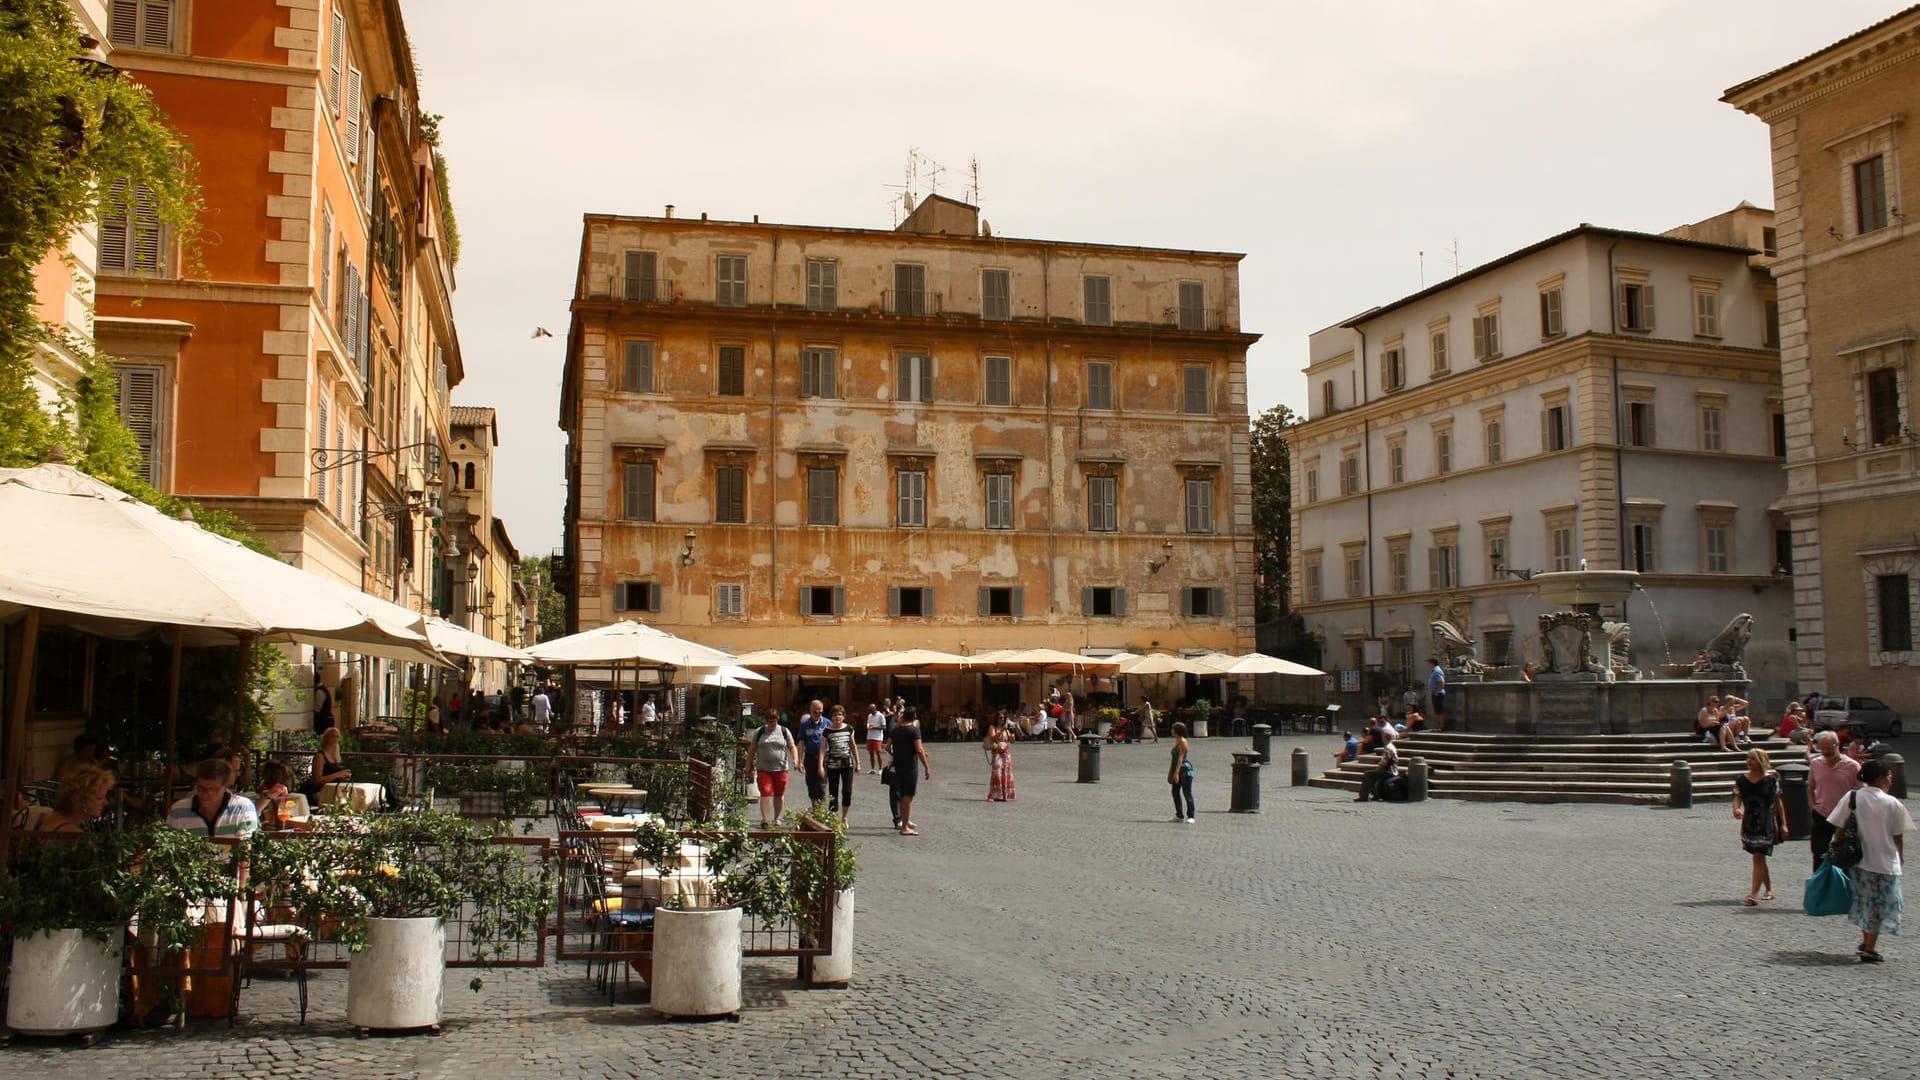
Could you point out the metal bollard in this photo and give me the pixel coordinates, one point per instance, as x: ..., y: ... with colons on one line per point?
x: 1793, y: 792
x: 1299, y: 767
x: 1897, y: 765
x: 1263, y: 742
x: 1417, y: 779
x: 1090, y: 758
x: 1680, y: 786
x: 1244, y: 798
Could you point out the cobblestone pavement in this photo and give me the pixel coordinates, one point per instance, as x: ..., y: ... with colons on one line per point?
x: 1079, y: 932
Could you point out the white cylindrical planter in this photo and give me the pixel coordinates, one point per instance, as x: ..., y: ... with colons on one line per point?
x: 1102, y: 727
x: 395, y: 982
x: 63, y: 982
x: 1200, y: 729
x: 836, y: 967
x: 696, y: 962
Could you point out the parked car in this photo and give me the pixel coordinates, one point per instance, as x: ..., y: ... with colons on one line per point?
x: 1866, y: 713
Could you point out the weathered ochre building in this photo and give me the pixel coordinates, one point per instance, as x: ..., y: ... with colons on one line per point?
x: 849, y: 440
x: 1849, y: 281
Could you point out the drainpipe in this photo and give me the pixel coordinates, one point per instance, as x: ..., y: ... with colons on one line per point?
x: 1366, y: 483
x: 1619, y: 440
x: 773, y: 441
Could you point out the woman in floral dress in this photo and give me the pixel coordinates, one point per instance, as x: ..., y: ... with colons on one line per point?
x: 1000, y: 763
x: 1762, y: 815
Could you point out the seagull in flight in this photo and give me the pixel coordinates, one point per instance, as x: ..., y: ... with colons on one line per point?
x: 540, y: 332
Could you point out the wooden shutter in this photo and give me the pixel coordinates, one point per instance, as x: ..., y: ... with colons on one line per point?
x: 1217, y: 602
x: 368, y: 160
x: 113, y: 229
x: 839, y: 599
x: 125, y: 26
x: 926, y: 378
x: 320, y: 475
x: 986, y: 600
x: 1086, y: 601
x: 1019, y: 601
x: 1120, y: 602
x: 326, y: 254
x: 926, y: 601
x: 619, y: 596
x: 157, y: 34
x: 336, y: 58
x: 148, y: 254
x: 140, y: 390
x: 352, y: 116
x: 893, y: 600
x: 1646, y: 306
x: 653, y: 596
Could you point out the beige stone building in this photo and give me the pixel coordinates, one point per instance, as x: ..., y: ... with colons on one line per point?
x: 1849, y: 281
x: 849, y: 440
x: 480, y: 577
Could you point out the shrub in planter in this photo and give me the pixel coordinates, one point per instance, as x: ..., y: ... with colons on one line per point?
x: 515, y: 792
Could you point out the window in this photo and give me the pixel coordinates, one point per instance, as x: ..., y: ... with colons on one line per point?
x: 1713, y: 426
x: 1500, y: 647
x: 1496, y: 555
x: 1562, y: 537
x: 730, y: 598
x: 636, y: 491
x: 336, y: 58
x: 350, y: 115
x: 1393, y: 368
x: 1098, y: 299
x: 733, y: 371
x: 818, y: 369
x: 1199, y: 506
x: 1103, y: 602
x: 1099, y: 384
x: 999, y: 500
x: 1002, y: 601
x: 1883, y: 406
x: 1312, y: 587
x: 1495, y: 432
x: 1194, y: 398
x: 1552, y: 319
x: 142, y: 24
x: 326, y: 251
x: 823, y: 496
x: 1639, y: 423
x: 1397, y: 462
x: 1718, y: 552
x: 636, y: 596
x: 730, y: 280
x: 1201, y: 602
x: 1193, y: 306
x: 1643, y: 546
x: 1327, y: 397
x: 1356, y: 574
x: 1783, y: 551
x: 730, y: 495
x: 999, y: 380
x: 642, y: 283
x: 1443, y: 450
x: 916, y: 376
x: 823, y: 601
x: 1103, y: 504
x: 1896, y: 612
x: 909, y: 289
x: 142, y: 408
x: 1486, y: 336
x: 1779, y: 425
x: 1437, y: 342
x: 637, y: 378
x: 1443, y: 566
x: 909, y: 601
x: 1706, y: 312
x: 911, y: 498
x: 996, y: 295
x: 1769, y: 241
x: 1556, y: 428
x: 823, y: 285
x: 1636, y: 306
x: 1869, y: 190
x: 1312, y: 482
x: 132, y: 239
x: 1400, y: 568
x: 469, y: 474
x: 1772, y: 328
x: 1349, y: 474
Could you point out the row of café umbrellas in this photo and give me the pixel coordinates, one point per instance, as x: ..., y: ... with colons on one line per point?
x: 1210, y: 664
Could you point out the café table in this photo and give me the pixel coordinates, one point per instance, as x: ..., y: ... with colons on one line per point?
x: 355, y: 796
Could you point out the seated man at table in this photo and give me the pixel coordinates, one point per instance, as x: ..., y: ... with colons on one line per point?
x: 213, y: 809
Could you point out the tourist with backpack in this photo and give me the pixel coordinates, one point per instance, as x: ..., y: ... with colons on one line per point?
x: 774, y: 756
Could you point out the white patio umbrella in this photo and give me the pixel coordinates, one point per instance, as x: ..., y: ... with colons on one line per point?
x: 456, y: 640
x: 1166, y: 664
x: 1042, y: 658
x: 1256, y: 664
x: 629, y: 642
x: 784, y: 660
x: 916, y: 659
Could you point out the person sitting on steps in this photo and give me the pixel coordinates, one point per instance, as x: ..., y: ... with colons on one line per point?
x: 1374, y: 782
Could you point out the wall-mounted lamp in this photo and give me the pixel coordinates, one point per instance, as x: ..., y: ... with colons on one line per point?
x: 686, y: 552
x: 1835, y: 233
x: 1523, y: 574
x: 1846, y: 439
x: 1166, y: 556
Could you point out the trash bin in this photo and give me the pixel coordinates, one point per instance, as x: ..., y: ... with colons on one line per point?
x: 1417, y: 779
x: 1897, y: 765
x: 1263, y: 742
x: 1680, y: 785
x: 1244, y: 798
x: 1793, y: 790
x: 1090, y: 758
x: 1299, y: 766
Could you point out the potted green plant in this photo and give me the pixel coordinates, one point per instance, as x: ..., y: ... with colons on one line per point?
x: 1202, y: 711
x: 810, y: 880
x: 386, y: 886
x: 1105, y: 719
x: 489, y: 790
x: 69, y: 902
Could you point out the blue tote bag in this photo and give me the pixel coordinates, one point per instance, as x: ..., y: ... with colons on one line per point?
x: 1829, y: 891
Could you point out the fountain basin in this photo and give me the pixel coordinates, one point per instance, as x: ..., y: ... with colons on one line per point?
x: 1583, y: 588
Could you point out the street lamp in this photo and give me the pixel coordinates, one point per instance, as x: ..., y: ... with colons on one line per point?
x: 1166, y: 556
x: 686, y: 553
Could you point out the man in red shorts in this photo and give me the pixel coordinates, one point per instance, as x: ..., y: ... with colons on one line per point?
x: 774, y: 755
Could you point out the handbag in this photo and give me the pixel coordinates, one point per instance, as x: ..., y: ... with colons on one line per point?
x: 1845, y: 851
x: 1828, y: 892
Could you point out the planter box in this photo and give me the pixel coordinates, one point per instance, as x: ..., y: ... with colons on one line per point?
x: 696, y: 962
x: 483, y: 804
x: 395, y: 983
x: 836, y: 967
x: 63, y: 982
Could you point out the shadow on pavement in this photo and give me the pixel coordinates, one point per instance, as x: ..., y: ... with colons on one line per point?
x: 1813, y: 959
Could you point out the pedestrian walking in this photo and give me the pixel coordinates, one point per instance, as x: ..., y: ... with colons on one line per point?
x: 999, y: 763
x: 1762, y: 815
x: 840, y: 760
x: 876, y: 737
x: 1830, y: 776
x: 812, y: 727
x: 1180, y: 774
x: 774, y: 756
x: 1149, y: 724
x: 1437, y: 691
x: 909, y: 762
x: 1883, y: 822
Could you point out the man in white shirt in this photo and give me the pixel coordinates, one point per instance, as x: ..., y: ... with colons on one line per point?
x: 648, y: 713
x: 1883, y: 822
x: 542, y: 709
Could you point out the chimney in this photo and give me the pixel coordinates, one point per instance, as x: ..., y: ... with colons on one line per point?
x: 703, y: 215
x: 669, y: 210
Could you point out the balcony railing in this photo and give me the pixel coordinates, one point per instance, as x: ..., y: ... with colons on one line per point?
x: 643, y: 290
x: 895, y: 302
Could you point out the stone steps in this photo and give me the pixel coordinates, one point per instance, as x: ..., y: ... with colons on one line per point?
x: 1594, y: 768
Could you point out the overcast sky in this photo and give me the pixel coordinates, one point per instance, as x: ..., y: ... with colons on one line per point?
x: 1332, y: 142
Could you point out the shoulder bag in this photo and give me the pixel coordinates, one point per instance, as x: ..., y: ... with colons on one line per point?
x: 1845, y: 851
x: 1828, y: 892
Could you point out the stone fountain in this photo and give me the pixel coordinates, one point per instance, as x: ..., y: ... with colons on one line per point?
x: 1587, y: 683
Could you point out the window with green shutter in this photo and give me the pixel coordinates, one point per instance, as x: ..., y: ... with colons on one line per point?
x: 636, y: 493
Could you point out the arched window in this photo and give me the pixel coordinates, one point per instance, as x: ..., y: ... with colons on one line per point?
x: 469, y: 476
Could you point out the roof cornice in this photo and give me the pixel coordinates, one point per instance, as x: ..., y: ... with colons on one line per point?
x: 1885, y: 44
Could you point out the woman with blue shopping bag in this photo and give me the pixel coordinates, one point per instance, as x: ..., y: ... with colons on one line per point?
x: 1882, y: 822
